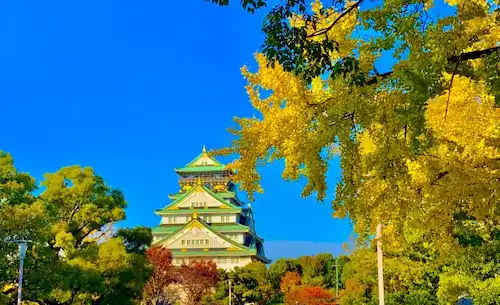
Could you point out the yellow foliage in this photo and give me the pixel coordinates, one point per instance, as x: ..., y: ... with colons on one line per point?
x: 416, y: 150
x: 341, y: 33
x: 366, y: 144
x: 466, y: 114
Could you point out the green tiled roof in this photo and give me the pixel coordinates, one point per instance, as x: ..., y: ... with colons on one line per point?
x: 191, y: 253
x: 223, y: 227
x: 227, y: 194
x: 217, y: 230
x: 221, y: 194
x: 204, y: 153
x: 190, y: 168
x: 220, y: 198
x: 165, y: 229
x: 163, y: 212
x: 206, y: 189
x: 204, y: 224
x: 201, y: 169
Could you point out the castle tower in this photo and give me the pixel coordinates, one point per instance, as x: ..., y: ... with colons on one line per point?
x: 206, y: 220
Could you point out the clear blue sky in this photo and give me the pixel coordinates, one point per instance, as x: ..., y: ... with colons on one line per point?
x: 134, y: 89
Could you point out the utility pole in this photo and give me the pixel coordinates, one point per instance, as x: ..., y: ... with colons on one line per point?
x: 337, y: 278
x: 23, y: 245
x: 229, y: 281
x: 380, y: 265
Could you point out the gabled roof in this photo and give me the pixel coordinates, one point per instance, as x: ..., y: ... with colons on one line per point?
x: 196, y: 222
x: 195, y: 166
x: 199, y: 188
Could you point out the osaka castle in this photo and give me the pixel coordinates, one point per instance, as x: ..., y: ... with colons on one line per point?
x: 205, y: 220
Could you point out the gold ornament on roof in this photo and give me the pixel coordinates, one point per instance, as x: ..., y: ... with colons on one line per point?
x: 219, y: 188
x: 195, y: 215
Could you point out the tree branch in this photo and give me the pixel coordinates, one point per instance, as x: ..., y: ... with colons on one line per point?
x: 473, y: 54
x: 346, y: 12
x: 10, y: 290
x: 453, y: 59
x: 449, y: 90
x: 374, y: 79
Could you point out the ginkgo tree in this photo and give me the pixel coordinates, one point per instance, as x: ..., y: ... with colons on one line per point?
x: 418, y: 144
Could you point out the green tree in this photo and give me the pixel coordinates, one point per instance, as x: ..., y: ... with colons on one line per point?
x: 20, y: 218
x: 330, y: 272
x: 249, y: 285
x: 136, y: 239
x: 407, y: 280
x: 73, y: 257
x: 279, y: 268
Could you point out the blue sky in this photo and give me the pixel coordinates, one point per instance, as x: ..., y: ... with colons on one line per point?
x: 134, y: 89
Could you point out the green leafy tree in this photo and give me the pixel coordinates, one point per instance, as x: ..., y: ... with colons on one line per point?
x: 406, y: 279
x: 20, y: 218
x: 74, y: 257
x: 136, y: 239
x: 279, y: 268
x: 330, y: 271
x: 249, y: 284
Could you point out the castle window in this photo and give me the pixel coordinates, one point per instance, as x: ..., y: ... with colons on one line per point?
x: 183, y: 242
x: 198, y: 204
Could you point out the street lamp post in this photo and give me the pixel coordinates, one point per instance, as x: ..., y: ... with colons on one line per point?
x: 23, y: 245
x: 229, y: 281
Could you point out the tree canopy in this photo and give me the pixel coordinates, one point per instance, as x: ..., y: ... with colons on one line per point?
x: 73, y: 256
x: 406, y: 93
x: 419, y: 145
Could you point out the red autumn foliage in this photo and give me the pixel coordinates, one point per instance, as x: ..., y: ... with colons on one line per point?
x: 162, y: 275
x: 295, y: 294
x: 196, y: 279
x: 313, y: 295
